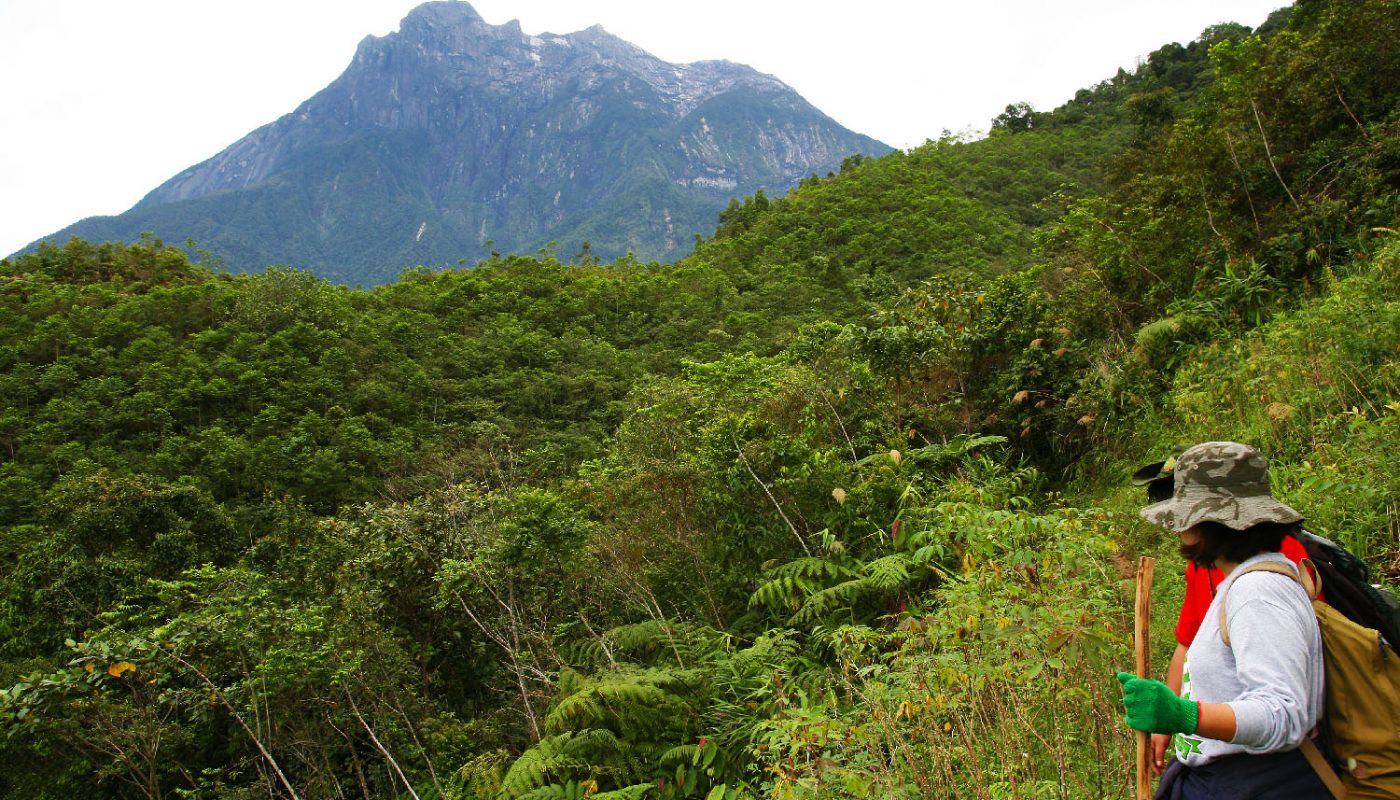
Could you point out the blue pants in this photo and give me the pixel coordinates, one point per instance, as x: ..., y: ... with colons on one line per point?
x: 1273, y: 776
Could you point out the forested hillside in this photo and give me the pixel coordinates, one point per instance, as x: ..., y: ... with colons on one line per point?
x: 836, y: 506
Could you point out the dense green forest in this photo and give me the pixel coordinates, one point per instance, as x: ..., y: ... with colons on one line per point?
x: 836, y: 506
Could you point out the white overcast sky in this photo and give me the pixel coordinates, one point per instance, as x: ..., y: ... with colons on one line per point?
x: 103, y: 100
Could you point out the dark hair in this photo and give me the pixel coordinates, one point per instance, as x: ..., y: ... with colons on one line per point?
x: 1160, y: 489
x: 1222, y: 543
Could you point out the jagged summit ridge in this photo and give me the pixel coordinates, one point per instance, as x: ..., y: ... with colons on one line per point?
x: 451, y: 133
x: 450, y: 41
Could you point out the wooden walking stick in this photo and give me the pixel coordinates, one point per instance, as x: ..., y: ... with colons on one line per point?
x: 1142, y: 615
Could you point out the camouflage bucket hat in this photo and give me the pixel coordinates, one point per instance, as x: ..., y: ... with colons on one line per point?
x: 1224, y: 482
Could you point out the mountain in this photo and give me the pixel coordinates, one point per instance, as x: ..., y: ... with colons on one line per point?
x: 453, y: 137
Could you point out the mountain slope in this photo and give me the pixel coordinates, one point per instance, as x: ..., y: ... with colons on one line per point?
x: 452, y: 137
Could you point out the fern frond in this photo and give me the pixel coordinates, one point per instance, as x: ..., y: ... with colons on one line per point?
x: 570, y: 681
x: 604, y: 706
x: 958, y: 447
x: 608, y: 755
x: 820, y: 604
x: 573, y: 790
x: 589, y: 651
x: 661, y: 639
x: 879, y: 577
x: 641, y: 635
x: 634, y: 792
x: 601, y: 748
x: 647, y: 642
x: 680, y: 754
x: 812, y: 567
x: 635, y: 704
x: 543, y: 767
x: 767, y: 651
x: 775, y: 645
x: 888, y: 573
x: 784, y: 592
x: 536, y: 766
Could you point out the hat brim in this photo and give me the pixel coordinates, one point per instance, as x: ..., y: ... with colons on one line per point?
x: 1196, y: 504
x: 1149, y: 473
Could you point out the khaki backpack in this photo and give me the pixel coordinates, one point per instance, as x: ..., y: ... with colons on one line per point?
x: 1361, y: 722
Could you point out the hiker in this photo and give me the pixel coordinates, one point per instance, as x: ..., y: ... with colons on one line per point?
x: 1201, y: 584
x: 1243, y: 708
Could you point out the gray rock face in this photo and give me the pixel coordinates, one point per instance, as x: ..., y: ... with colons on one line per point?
x: 452, y: 137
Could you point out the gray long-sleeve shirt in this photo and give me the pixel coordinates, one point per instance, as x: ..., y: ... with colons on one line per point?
x: 1271, y: 674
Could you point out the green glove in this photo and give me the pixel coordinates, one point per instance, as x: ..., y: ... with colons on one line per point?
x: 1154, y: 708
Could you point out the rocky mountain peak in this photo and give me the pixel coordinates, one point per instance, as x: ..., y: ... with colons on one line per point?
x: 447, y: 27
x: 451, y: 132
x: 449, y: 12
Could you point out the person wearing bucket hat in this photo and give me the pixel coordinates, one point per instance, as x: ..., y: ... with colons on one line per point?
x: 1222, y: 482
x: 1201, y: 584
x: 1244, y: 708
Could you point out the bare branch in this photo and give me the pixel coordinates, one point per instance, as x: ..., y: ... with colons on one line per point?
x: 515, y: 664
x: 1338, y: 89
x: 1269, y: 152
x: 842, y: 425
x: 222, y: 698
x: 379, y: 745
x: 1210, y: 218
x: 771, y: 498
x: 1244, y: 182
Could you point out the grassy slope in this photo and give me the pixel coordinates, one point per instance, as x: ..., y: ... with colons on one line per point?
x: 1009, y: 683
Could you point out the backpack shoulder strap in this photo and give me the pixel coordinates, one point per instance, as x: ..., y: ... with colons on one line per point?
x: 1324, y: 770
x: 1311, y: 581
x: 1308, y: 581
